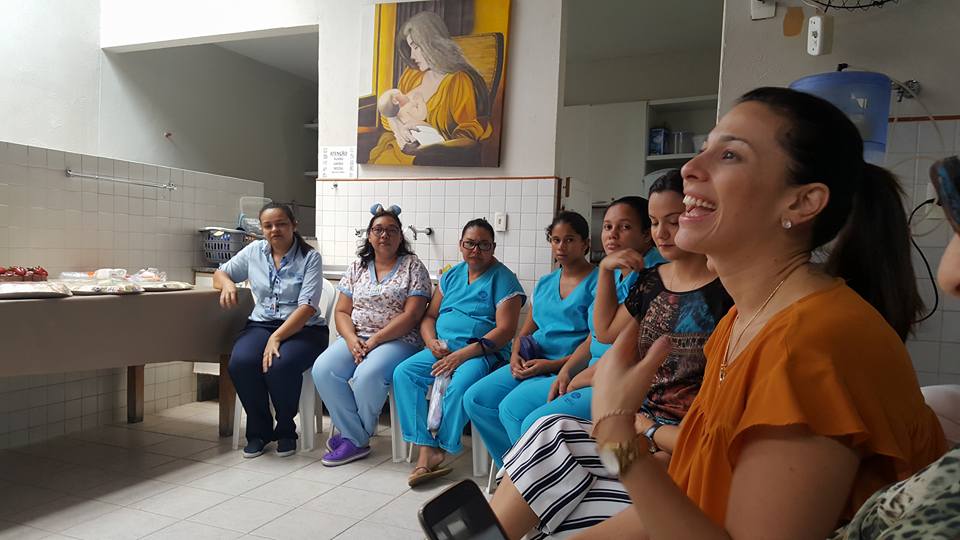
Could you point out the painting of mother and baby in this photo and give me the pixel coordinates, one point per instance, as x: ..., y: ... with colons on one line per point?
x: 437, y: 88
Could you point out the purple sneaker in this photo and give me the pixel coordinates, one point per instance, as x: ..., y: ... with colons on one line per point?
x: 334, y: 441
x: 345, y: 453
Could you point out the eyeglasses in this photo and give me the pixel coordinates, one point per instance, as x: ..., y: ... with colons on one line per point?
x: 470, y: 245
x: 945, y: 175
x: 384, y: 231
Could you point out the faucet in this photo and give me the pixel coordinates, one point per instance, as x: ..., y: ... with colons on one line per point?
x: 359, y: 232
x: 427, y: 231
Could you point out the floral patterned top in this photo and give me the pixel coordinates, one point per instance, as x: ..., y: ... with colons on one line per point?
x: 376, y: 303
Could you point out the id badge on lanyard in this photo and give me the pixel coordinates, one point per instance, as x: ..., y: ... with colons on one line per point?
x: 274, y: 289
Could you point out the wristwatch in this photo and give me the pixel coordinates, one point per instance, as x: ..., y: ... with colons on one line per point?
x: 618, y: 457
x: 649, y: 433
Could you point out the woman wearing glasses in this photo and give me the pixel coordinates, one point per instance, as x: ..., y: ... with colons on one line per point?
x: 467, y: 330
x: 555, y: 330
x: 384, y: 296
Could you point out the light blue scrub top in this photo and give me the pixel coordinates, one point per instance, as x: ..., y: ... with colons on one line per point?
x: 469, y: 310
x: 279, y: 291
x: 623, y: 289
x: 562, y: 322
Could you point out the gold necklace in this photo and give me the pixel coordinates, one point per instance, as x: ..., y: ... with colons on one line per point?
x: 726, y: 352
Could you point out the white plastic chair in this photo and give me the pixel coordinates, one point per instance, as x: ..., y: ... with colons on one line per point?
x: 311, y: 408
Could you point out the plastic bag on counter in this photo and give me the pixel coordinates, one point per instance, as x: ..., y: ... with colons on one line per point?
x: 110, y: 273
x: 105, y: 286
x: 76, y: 276
x: 148, y: 275
x: 159, y: 286
x: 32, y: 289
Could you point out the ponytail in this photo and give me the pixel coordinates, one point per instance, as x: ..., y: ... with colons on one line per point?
x: 878, y: 223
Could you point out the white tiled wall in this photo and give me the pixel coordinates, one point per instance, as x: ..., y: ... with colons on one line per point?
x: 445, y: 206
x: 912, y: 148
x: 66, y: 223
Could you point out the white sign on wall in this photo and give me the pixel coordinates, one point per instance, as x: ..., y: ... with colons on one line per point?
x: 338, y: 162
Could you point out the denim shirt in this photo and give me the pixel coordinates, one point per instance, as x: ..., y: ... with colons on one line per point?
x: 278, y: 292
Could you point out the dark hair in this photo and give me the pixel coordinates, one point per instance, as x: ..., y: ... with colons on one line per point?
x: 638, y: 205
x: 864, y: 212
x: 574, y: 220
x: 478, y: 222
x: 304, y: 246
x: 365, y: 251
x: 671, y: 180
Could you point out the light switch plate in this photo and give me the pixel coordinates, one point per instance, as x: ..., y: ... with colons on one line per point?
x: 499, y: 221
x: 762, y: 9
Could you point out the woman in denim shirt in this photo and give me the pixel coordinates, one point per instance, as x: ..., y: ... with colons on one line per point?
x: 285, y: 333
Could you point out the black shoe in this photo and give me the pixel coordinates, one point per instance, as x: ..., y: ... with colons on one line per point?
x: 286, y: 447
x: 254, y: 447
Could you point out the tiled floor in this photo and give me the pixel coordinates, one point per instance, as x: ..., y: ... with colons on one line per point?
x: 173, y: 477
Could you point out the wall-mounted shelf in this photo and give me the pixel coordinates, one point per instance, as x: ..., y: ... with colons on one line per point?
x: 312, y: 126
x: 671, y: 157
x: 312, y: 173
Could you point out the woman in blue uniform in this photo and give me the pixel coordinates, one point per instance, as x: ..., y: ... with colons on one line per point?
x: 285, y: 332
x: 555, y: 328
x: 626, y: 229
x: 467, y: 329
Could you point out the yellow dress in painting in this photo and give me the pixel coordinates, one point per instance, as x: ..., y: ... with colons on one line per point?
x: 452, y: 110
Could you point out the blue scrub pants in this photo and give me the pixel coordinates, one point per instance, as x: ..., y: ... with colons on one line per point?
x: 576, y: 403
x: 498, y: 405
x: 354, y: 393
x: 280, y: 384
x: 410, y: 382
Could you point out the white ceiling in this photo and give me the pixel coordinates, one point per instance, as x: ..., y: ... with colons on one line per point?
x: 295, y: 54
x: 604, y: 29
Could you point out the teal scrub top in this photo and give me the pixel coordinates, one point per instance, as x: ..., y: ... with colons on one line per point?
x: 469, y: 310
x: 623, y: 289
x: 652, y: 258
x: 562, y: 322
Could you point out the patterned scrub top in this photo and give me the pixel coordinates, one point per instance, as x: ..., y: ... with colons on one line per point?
x: 375, y: 303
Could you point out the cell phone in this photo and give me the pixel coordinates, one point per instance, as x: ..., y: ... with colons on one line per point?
x: 460, y: 512
x: 945, y: 175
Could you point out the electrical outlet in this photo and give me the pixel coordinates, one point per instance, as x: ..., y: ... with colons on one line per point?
x: 819, y: 35
x: 762, y: 9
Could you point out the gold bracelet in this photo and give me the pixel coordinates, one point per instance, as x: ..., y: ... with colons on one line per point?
x: 611, y: 414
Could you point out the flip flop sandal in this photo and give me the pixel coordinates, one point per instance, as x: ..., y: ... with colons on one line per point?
x: 428, y: 474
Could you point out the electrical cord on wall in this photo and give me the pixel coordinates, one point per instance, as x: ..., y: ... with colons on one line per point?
x: 926, y: 263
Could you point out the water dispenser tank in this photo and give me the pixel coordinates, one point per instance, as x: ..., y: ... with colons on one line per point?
x: 865, y: 98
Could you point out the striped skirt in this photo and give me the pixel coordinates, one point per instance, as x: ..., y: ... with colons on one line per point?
x: 556, y: 470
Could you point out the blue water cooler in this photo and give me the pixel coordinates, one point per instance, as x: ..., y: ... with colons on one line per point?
x: 864, y: 96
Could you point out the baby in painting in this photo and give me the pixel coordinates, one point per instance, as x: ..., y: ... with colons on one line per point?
x: 410, y: 110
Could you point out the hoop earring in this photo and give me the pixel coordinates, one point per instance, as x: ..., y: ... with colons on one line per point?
x: 786, y: 224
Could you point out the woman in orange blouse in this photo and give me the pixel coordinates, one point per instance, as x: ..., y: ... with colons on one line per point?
x: 809, y: 402
x: 455, y: 94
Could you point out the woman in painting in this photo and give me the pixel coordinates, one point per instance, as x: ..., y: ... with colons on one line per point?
x: 456, y: 96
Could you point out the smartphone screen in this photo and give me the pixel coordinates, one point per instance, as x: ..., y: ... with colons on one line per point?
x: 460, y: 513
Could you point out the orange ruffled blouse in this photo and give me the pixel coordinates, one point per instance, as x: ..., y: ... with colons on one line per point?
x: 831, y: 363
